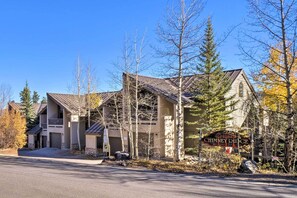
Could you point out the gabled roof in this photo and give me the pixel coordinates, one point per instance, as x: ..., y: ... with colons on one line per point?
x: 71, y: 101
x: 42, y: 107
x: 35, y: 130
x: 105, y: 96
x: 95, y: 129
x: 189, y: 81
x: 160, y: 86
x: 168, y: 87
x: 37, y: 107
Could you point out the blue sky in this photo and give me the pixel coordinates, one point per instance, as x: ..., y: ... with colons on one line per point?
x: 40, y: 40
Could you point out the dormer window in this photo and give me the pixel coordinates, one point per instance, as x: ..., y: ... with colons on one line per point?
x: 240, y: 92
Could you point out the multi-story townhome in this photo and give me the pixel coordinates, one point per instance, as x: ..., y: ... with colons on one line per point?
x: 158, y: 116
x: 67, y: 119
x: 36, y: 135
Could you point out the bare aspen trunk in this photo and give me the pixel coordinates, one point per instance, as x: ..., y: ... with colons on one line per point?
x: 136, y: 113
x: 89, y: 96
x: 129, y: 114
x: 119, y: 122
x: 78, y: 78
x: 289, y: 144
x: 180, y: 81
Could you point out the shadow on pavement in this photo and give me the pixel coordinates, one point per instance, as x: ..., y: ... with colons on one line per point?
x: 49, y: 153
x: 175, y: 182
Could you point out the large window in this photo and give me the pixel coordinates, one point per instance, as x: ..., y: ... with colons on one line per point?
x: 240, y: 91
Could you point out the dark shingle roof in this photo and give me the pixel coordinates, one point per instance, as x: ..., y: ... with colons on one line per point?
x: 37, y: 107
x: 42, y: 107
x: 95, y: 129
x: 160, y: 86
x: 189, y: 81
x: 71, y: 102
x: 35, y: 130
x: 168, y: 87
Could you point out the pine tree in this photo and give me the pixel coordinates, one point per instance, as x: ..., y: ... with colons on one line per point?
x: 27, y: 106
x: 210, y: 102
x: 35, y: 97
x: 44, y: 100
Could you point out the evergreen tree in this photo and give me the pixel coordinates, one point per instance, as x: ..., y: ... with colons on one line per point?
x: 211, y: 106
x: 27, y: 106
x: 35, y: 97
x: 44, y: 100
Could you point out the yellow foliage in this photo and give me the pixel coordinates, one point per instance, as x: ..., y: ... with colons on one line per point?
x: 273, y: 85
x: 12, y: 130
x: 95, y: 100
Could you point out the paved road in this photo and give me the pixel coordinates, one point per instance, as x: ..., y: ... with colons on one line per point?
x: 25, y: 177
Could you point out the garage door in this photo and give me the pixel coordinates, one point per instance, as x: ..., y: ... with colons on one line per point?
x: 55, y: 140
x: 115, y: 144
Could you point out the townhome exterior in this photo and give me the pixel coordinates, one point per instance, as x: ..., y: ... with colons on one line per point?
x: 37, y: 135
x: 104, y: 118
x: 64, y: 113
x: 63, y: 120
x: 165, y: 91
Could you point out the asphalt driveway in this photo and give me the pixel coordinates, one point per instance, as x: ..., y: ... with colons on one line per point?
x: 50, y: 153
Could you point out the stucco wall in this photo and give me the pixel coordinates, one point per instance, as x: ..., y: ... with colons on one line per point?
x: 31, y: 143
x: 91, y: 141
x: 66, y: 129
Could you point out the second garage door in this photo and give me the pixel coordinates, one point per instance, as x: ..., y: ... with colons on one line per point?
x: 115, y: 144
x: 55, y: 140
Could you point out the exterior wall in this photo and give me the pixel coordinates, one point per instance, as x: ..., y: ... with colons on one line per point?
x: 165, y: 139
x: 239, y: 115
x: 91, y: 145
x: 42, y: 119
x: 31, y: 142
x: 66, y: 130
x: 73, y: 134
x: 52, y: 112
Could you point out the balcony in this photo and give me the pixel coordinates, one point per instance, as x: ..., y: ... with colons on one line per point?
x: 55, y: 121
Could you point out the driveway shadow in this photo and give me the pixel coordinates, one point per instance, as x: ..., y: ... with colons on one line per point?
x: 50, y: 153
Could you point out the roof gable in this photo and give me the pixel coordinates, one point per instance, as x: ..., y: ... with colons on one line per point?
x: 168, y: 87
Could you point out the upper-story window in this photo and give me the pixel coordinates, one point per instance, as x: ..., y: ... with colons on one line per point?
x: 240, y: 92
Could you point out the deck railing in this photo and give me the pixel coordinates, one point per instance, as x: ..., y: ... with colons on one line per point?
x: 55, y: 121
x: 44, y: 125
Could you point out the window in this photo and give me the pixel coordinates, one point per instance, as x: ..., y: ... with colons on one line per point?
x: 240, y: 93
x: 232, y: 106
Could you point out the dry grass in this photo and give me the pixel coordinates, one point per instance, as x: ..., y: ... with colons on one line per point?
x: 181, y: 167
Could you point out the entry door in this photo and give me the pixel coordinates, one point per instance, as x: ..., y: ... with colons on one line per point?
x: 55, y: 140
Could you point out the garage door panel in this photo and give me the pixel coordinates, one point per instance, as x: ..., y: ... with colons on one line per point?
x: 55, y: 140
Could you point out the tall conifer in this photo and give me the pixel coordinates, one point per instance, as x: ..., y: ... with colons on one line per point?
x: 211, y: 107
x: 27, y: 106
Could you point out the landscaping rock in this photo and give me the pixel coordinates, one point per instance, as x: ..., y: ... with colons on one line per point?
x: 121, y: 155
x: 248, y: 166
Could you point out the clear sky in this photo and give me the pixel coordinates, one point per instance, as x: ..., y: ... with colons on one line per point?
x: 40, y: 40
